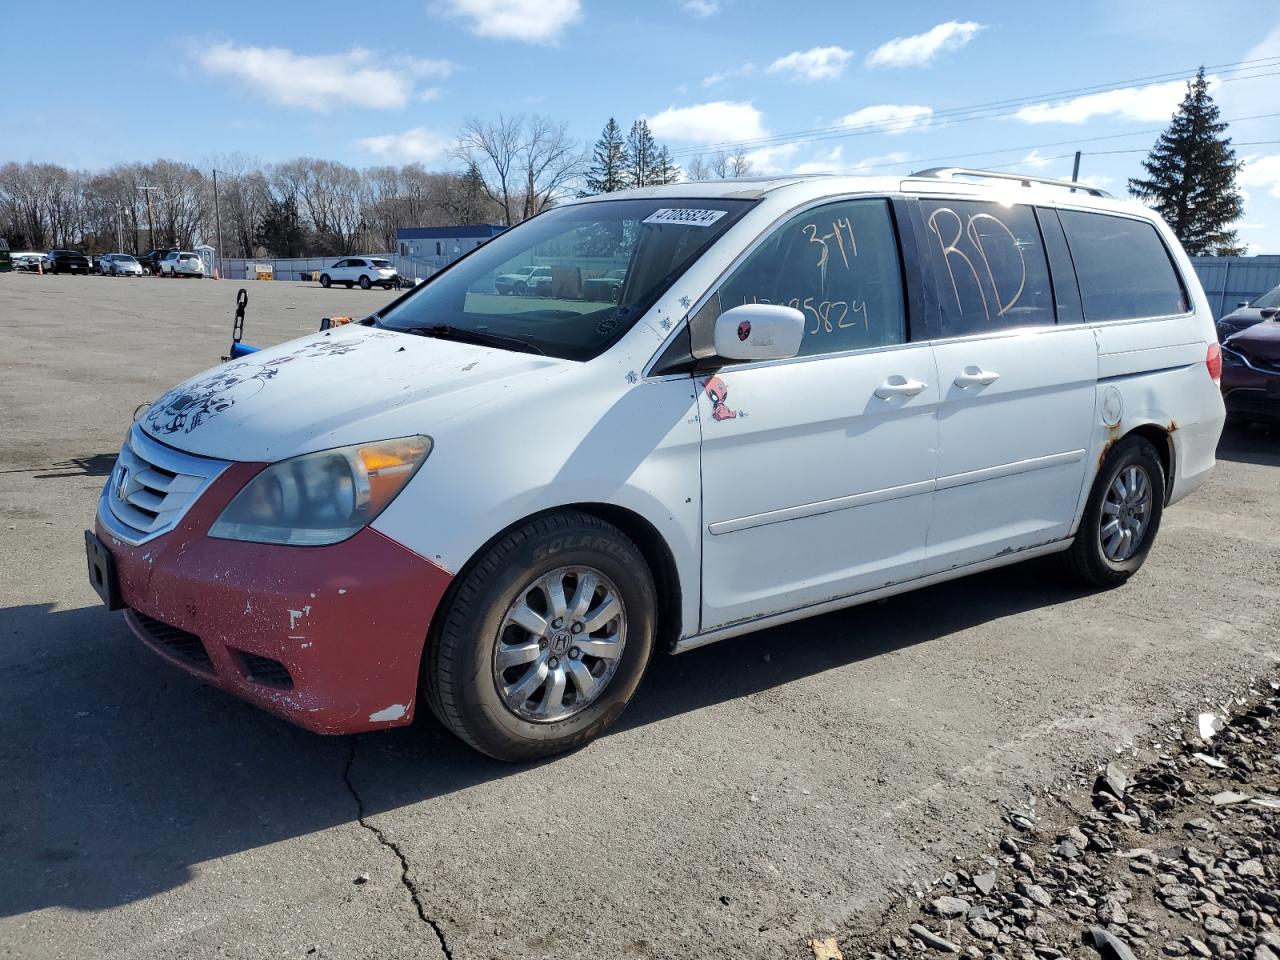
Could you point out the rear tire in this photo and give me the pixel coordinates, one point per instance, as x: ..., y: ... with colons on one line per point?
x: 1103, y: 555
x: 462, y: 674
x: 325, y: 281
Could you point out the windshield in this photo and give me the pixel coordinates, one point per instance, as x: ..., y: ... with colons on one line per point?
x: 647, y: 244
x: 124, y: 258
x: 1269, y: 299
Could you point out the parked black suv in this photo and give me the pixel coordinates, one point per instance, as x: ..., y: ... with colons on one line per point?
x: 67, y: 261
x: 151, y: 259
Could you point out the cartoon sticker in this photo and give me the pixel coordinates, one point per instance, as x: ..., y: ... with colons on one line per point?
x: 718, y: 393
x: 744, y: 330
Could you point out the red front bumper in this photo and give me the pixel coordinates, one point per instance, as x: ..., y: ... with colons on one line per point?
x: 347, y: 622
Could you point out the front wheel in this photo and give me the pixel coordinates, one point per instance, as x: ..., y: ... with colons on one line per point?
x: 325, y: 281
x: 1122, y: 516
x: 365, y: 283
x: 545, y: 640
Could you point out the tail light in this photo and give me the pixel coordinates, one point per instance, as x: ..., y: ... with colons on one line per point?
x: 1213, y: 362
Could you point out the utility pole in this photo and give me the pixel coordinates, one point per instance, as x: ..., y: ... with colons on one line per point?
x: 217, y: 219
x: 151, y: 224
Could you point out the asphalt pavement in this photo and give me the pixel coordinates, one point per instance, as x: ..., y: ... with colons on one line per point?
x: 758, y: 792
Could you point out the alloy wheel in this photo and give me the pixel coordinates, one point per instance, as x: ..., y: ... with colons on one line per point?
x: 1126, y: 513
x: 559, y: 644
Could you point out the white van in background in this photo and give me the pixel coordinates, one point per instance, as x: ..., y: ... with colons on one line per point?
x: 810, y: 392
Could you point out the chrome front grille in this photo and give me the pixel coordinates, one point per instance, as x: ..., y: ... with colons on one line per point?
x: 151, y: 487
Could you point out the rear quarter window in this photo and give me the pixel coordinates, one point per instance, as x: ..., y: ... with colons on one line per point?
x: 1123, y: 267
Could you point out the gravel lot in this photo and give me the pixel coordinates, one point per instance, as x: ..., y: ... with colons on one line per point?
x: 759, y: 792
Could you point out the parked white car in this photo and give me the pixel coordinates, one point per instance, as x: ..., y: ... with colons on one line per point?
x: 181, y: 263
x: 119, y: 265
x: 365, y: 271
x: 815, y: 392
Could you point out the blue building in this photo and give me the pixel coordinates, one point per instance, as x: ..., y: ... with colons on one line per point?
x: 443, y: 245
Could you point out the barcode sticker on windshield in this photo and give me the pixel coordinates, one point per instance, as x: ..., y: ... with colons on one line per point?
x: 689, y: 218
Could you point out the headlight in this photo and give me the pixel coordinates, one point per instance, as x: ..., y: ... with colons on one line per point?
x: 322, y: 497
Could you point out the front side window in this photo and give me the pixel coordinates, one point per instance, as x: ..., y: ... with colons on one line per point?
x: 839, y: 265
x: 1123, y: 267
x: 989, y: 265
x: 651, y: 241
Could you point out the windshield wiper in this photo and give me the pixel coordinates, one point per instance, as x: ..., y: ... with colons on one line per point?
x: 443, y: 331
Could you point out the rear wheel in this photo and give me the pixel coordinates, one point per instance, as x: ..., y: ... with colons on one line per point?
x: 1122, y: 516
x: 325, y: 281
x: 544, y: 640
x: 365, y: 283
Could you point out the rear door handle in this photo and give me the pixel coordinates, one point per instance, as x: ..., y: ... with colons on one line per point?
x: 898, y: 386
x: 976, y: 377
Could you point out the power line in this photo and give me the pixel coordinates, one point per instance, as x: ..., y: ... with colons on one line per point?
x: 983, y: 111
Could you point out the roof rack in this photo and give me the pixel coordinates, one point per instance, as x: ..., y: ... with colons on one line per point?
x: 951, y: 173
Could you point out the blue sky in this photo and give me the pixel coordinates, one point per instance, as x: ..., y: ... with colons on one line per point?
x: 368, y: 84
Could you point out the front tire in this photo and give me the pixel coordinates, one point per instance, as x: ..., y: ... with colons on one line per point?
x: 544, y: 640
x: 1122, y: 516
x: 325, y: 281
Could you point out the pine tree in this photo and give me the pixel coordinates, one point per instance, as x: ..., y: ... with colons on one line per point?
x: 1191, y: 176
x: 469, y: 203
x: 608, y: 171
x: 641, y: 154
x: 281, y: 230
x: 665, y: 169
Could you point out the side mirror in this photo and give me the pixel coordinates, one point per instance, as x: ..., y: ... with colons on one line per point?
x: 1269, y: 312
x: 759, y: 331
x: 1242, y: 303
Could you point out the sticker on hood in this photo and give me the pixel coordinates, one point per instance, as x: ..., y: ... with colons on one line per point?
x: 185, y: 408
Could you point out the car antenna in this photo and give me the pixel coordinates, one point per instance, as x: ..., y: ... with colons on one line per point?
x: 239, y: 349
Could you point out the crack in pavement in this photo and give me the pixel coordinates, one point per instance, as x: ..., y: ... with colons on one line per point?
x: 391, y: 845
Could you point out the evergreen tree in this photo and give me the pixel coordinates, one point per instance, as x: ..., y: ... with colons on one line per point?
x: 608, y: 171
x: 469, y: 203
x: 1191, y: 176
x: 665, y: 169
x: 281, y: 230
x: 641, y: 154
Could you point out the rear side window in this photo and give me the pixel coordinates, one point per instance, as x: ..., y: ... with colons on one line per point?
x: 838, y: 264
x: 1123, y: 267
x: 989, y: 265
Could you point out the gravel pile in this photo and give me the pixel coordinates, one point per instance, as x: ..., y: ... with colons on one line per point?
x: 1177, y: 859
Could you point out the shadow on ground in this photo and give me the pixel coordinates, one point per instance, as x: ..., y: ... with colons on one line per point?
x: 123, y: 774
x: 1255, y: 443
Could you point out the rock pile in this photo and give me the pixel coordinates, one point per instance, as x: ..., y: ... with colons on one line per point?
x: 1178, y: 859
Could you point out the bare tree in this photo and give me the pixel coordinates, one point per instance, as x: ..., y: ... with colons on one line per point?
x: 552, y: 162
x: 493, y: 148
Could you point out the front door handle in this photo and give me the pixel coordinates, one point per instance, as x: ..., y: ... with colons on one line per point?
x: 898, y: 386
x: 976, y: 377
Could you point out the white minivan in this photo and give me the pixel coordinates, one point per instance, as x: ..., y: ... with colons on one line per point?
x: 810, y: 392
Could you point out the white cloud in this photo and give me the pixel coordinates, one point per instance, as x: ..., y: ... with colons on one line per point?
x: 1036, y: 160
x: 354, y: 78
x: 716, y: 122
x: 921, y: 48
x: 829, y: 162
x: 1099, y: 180
x: 720, y: 76
x: 418, y: 145
x: 889, y: 118
x: 533, y: 21
x: 1154, y: 103
x: 820, y: 63
x: 701, y: 8
x: 1263, y: 172
x: 768, y: 161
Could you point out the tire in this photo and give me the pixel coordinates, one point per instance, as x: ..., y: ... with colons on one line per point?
x: 1088, y: 559
x: 521, y: 290
x: 460, y: 676
x: 365, y: 283
x: 325, y: 281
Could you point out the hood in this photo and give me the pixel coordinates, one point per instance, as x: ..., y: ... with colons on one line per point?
x: 348, y: 385
x: 1260, y: 341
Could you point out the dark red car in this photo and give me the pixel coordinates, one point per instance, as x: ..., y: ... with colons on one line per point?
x: 1251, y: 373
